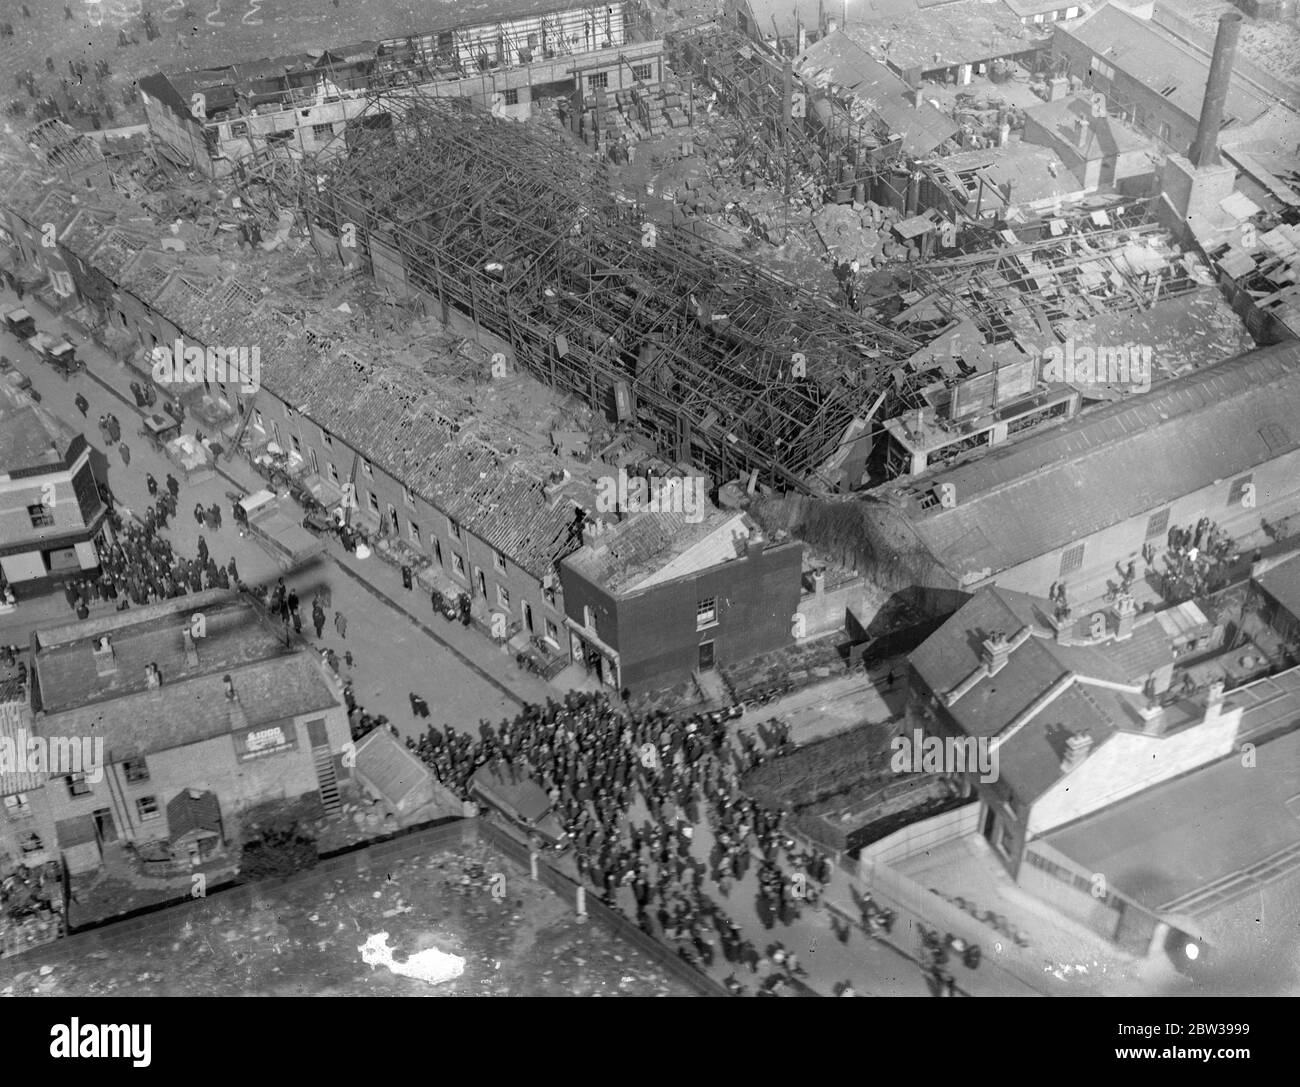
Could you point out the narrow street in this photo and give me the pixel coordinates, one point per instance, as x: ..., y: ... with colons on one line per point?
x: 399, y: 644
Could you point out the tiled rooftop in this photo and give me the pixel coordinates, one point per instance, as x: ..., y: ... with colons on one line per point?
x: 66, y: 669
x: 29, y: 435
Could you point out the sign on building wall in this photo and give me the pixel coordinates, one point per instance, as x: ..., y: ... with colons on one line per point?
x: 264, y: 740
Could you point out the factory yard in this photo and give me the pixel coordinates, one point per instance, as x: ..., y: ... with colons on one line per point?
x: 305, y: 939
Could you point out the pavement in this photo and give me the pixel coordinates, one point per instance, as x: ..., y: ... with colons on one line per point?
x: 400, y: 644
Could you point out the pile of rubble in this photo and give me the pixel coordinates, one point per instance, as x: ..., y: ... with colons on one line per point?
x: 31, y: 907
x: 861, y: 232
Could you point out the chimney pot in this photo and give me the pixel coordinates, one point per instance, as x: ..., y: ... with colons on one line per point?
x: 1125, y: 610
x: 996, y: 651
x: 1077, y: 748
x: 105, y: 657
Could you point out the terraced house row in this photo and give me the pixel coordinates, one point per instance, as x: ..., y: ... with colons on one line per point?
x: 494, y: 517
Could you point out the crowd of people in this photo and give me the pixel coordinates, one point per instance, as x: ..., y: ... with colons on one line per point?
x: 1199, y: 561
x: 630, y: 792
x: 139, y: 566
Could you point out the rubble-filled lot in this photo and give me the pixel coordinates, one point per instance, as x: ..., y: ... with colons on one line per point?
x: 1273, y: 44
x: 517, y: 939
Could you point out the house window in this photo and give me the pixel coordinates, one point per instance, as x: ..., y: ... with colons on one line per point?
x: 512, y: 97
x: 42, y: 516
x: 528, y: 618
x: 297, y: 445
x: 1038, y: 18
x: 322, y: 132
x: 1158, y: 524
x: 147, y: 808
x: 136, y: 771
x: 548, y: 594
x: 366, y: 470
x: 413, y: 532
x: 437, y: 551
x: 643, y: 72
x: 334, y: 473
x: 16, y: 806
x: 499, y: 561
x: 588, y: 617
x: 1071, y: 559
x: 453, y: 528
x: 77, y: 785
x: 597, y: 79
x: 457, y: 565
x: 482, y: 581
x: 257, y: 420
x: 552, y: 634
x: 706, y: 613
x: 311, y: 459
x: 32, y: 844
x: 374, y: 503
x: 409, y: 498
x: 503, y: 597
x: 1238, y: 489
x: 326, y: 440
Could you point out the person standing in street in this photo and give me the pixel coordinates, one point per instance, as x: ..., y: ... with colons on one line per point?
x: 341, y: 624
x: 83, y: 405
x: 173, y: 486
x: 318, y: 620
x: 125, y: 450
x: 198, y: 513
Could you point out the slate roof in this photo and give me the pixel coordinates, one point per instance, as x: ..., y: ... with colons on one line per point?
x: 1061, y: 485
x: 840, y: 60
x: 388, y: 766
x: 1282, y: 583
x: 30, y: 436
x: 1157, y: 59
x: 67, y: 672
x: 189, y: 711
x: 191, y: 810
x: 1030, y: 759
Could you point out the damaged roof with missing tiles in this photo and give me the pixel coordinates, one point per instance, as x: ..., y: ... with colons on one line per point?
x: 652, y: 547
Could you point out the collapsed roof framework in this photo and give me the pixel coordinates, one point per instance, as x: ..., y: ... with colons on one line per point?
x: 508, y: 224
x: 799, y: 137
x: 1079, y: 274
